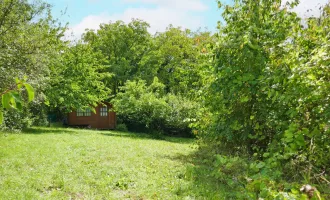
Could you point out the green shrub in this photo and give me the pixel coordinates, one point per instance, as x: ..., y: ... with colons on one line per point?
x: 229, y: 169
x: 270, y: 94
x: 38, y: 112
x: 148, y: 106
x: 16, y: 120
x: 243, y: 178
x: 33, y: 113
x: 121, y: 127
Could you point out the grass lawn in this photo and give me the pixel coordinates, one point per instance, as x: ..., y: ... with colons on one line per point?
x: 60, y: 163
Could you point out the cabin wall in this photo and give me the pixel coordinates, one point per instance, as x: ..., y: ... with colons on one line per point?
x: 95, y: 120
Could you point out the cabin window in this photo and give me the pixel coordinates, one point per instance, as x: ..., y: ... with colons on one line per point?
x: 84, y: 113
x: 104, y: 111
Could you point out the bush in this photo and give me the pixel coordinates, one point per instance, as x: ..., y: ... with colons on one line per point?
x: 121, y: 127
x: 16, y: 120
x: 38, y: 112
x: 33, y: 113
x: 140, y: 105
x: 242, y: 177
x: 270, y: 96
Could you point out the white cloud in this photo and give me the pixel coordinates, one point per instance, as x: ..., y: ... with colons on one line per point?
x: 309, y: 8
x: 89, y: 22
x: 192, y: 5
x: 160, y: 18
x: 166, y: 12
x: 184, y: 13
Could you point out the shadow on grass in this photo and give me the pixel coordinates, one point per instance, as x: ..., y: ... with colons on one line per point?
x: 202, y: 183
x: 148, y: 137
x: 47, y: 130
x: 63, y: 130
x: 209, y: 181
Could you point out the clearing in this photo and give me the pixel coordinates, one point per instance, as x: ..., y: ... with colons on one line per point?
x: 60, y: 163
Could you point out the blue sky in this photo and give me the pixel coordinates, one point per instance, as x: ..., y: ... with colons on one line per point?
x: 192, y: 14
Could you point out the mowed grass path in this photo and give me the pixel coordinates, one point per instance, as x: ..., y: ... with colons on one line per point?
x: 59, y: 163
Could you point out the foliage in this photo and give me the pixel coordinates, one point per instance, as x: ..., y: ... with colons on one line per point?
x: 138, y: 104
x: 130, y: 52
x: 219, y: 176
x: 241, y: 67
x: 256, y: 93
x: 22, y: 24
x: 268, y: 98
x: 77, y: 80
x: 30, y: 41
x: 122, y: 46
x: 151, y: 107
x: 12, y: 99
x: 121, y: 127
x: 15, y: 120
x: 174, y: 59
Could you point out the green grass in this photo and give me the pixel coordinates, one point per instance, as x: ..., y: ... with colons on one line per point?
x: 59, y: 163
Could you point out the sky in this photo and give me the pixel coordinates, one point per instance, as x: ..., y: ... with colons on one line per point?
x: 192, y: 14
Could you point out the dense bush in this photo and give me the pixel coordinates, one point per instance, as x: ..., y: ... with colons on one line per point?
x: 121, y: 127
x: 32, y: 114
x: 219, y: 176
x: 148, y: 106
x: 269, y: 97
x: 16, y: 120
x: 39, y: 113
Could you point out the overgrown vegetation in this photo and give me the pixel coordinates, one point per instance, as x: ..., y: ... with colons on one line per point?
x: 30, y: 42
x: 255, y: 94
x: 151, y: 109
x: 268, y: 100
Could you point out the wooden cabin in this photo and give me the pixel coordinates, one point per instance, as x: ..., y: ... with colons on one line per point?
x: 102, y: 119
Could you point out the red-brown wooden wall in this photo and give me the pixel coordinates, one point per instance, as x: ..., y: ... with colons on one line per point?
x: 95, y: 120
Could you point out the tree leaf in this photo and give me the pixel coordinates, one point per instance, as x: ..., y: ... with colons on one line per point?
x: 244, y: 99
x: 12, y: 102
x: 19, y: 105
x: 18, y: 83
x: 30, y: 91
x: 1, y: 116
x: 6, y: 99
x: 260, y: 165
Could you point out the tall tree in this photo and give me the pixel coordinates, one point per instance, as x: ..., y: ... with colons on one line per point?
x: 269, y: 95
x: 123, y: 46
x: 239, y: 96
x: 176, y: 59
x: 77, y: 79
x: 30, y: 40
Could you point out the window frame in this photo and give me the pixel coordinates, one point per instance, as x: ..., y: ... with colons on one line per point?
x: 104, y: 113
x: 84, y: 113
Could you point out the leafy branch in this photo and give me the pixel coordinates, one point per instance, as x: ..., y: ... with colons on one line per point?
x: 12, y: 99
